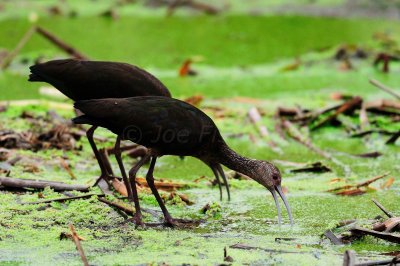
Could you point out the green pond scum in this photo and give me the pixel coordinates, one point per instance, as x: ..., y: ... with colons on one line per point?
x: 243, y: 60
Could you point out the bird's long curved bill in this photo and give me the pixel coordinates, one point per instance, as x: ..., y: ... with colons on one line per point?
x: 280, y: 192
x: 278, y: 207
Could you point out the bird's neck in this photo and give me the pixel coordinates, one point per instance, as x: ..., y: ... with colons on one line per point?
x: 235, y: 161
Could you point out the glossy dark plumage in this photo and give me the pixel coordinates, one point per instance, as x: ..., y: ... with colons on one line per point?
x: 84, y: 80
x: 172, y: 127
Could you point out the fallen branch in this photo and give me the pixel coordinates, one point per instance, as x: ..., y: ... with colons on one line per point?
x: 78, y: 245
x: 295, y: 134
x: 8, y: 182
x: 380, y: 206
x: 387, y: 226
x: 385, y: 236
x: 113, y: 204
x: 393, y: 138
x: 369, y: 181
x: 368, y: 132
x: 160, y: 184
x: 206, y: 8
x: 384, y: 88
x: 349, y: 258
x: 61, y: 44
x: 65, y: 165
x: 8, y: 59
x: 331, y: 236
x: 374, y: 154
x: 65, y: 199
x: 354, y: 190
x: 389, y: 262
x: 245, y: 247
x: 316, y: 167
x: 345, y: 107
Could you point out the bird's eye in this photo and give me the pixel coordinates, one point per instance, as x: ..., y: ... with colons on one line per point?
x: 275, y: 177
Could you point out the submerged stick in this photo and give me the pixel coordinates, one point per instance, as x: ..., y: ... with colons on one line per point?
x: 384, y: 88
x: 8, y: 59
x: 246, y: 247
x: 78, y: 245
x: 9, y: 182
x: 61, y: 44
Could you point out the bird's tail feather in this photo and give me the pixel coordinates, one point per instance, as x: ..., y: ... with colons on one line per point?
x: 34, y: 77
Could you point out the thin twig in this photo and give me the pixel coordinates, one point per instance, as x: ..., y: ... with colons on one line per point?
x: 64, y: 198
x: 380, y: 206
x: 384, y: 88
x: 61, y: 44
x: 78, y: 245
x: 27, y: 36
x: 9, y: 182
x: 118, y: 206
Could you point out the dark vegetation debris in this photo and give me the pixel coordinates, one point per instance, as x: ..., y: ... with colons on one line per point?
x: 382, y: 229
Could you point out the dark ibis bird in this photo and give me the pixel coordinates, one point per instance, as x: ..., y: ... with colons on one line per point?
x: 84, y: 80
x: 168, y: 126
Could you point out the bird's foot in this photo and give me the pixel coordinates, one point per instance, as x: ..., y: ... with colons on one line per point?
x: 137, y: 220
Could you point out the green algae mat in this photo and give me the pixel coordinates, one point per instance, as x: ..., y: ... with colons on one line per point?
x: 246, y: 61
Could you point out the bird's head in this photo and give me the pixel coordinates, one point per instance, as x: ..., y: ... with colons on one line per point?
x: 269, y: 176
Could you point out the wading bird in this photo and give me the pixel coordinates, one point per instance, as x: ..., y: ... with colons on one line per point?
x: 85, y: 80
x: 168, y: 126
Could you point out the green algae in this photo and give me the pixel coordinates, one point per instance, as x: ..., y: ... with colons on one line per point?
x: 30, y: 234
x: 248, y: 66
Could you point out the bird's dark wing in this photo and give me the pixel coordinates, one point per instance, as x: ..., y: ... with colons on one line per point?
x: 80, y: 80
x: 165, y: 124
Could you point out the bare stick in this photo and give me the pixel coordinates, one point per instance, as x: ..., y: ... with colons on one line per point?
x: 394, y: 261
x: 118, y: 206
x: 295, y: 134
x: 7, y: 61
x: 393, y: 138
x: 369, y: 181
x: 388, y: 214
x: 349, y: 105
x: 61, y: 44
x: 331, y: 236
x: 349, y: 258
x: 9, y: 182
x: 65, y: 198
x: 77, y: 242
x: 65, y: 165
x: 246, y: 247
x: 384, y: 88
x: 385, y: 236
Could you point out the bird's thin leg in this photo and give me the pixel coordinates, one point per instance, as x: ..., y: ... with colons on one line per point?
x: 218, y: 181
x: 150, y: 181
x: 132, y: 178
x: 96, y: 152
x: 117, y: 151
x: 221, y: 172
